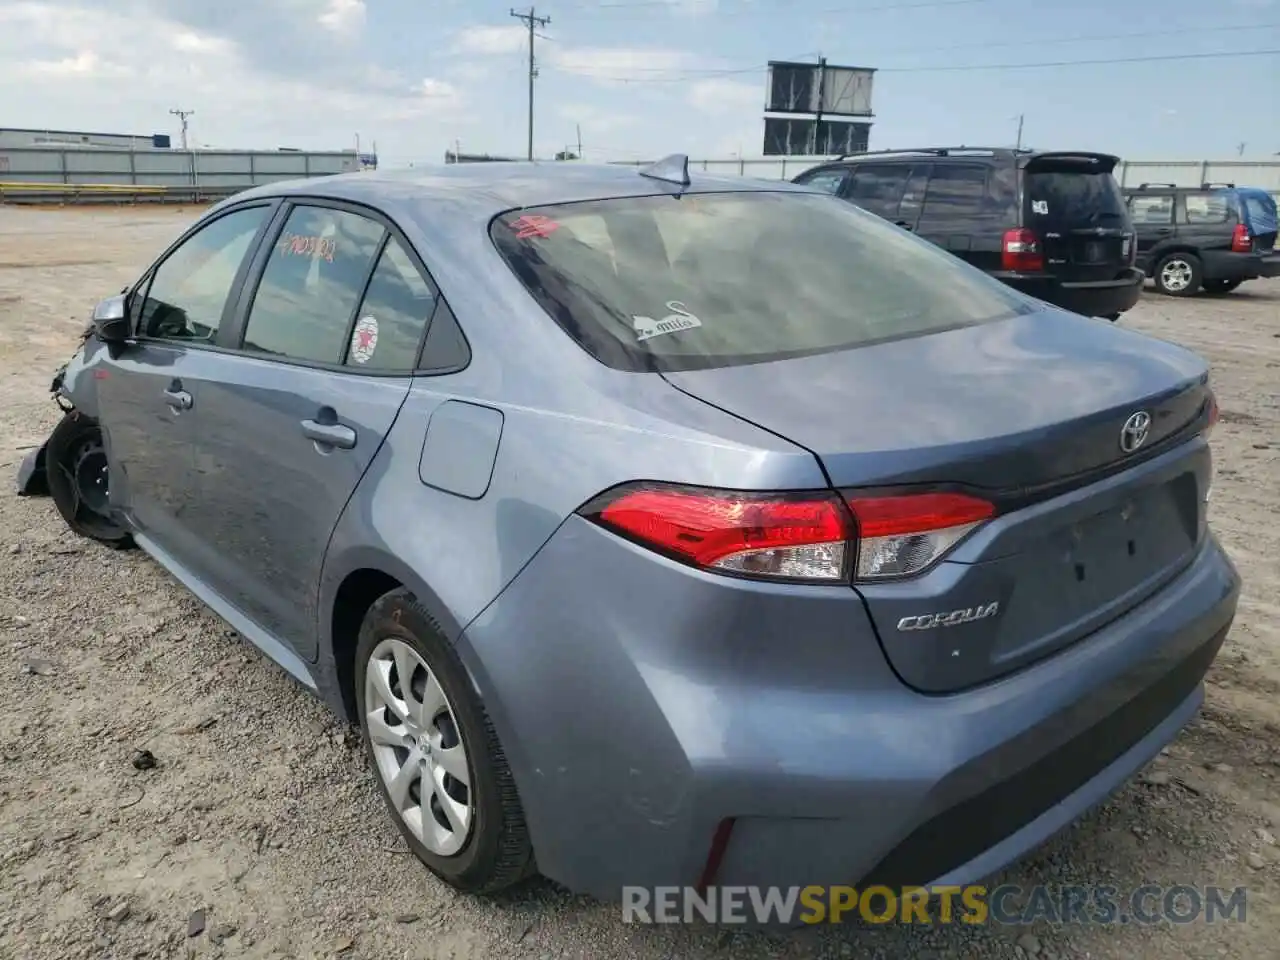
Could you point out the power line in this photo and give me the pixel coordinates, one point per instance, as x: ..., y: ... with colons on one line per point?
x: 533, y: 21
x: 957, y: 68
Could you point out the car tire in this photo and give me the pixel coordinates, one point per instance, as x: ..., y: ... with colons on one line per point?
x: 473, y: 835
x: 76, y: 471
x: 1178, y: 274
x: 1221, y: 286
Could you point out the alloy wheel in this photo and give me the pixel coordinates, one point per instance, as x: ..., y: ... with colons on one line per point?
x: 1175, y: 275
x: 417, y: 747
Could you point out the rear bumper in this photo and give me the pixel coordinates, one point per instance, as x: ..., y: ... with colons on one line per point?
x: 1099, y: 298
x: 1223, y: 265
x: 642, y: 704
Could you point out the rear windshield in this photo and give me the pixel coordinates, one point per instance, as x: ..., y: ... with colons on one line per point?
x: 700, y: 280
x: 1073, y: 198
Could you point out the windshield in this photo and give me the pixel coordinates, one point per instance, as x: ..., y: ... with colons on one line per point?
x: 705, y: 280
x: 1068, y: 198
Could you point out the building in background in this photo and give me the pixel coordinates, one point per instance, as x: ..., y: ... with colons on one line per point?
x: 816, y: 109
x: 79, y: 139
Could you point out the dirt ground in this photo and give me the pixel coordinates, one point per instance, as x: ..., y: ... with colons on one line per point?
x: 261, y: 814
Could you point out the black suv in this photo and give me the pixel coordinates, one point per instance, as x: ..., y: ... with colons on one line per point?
x: 1214, y: 236
x: 1053, y: 225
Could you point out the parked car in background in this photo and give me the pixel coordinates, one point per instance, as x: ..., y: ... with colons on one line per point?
x: 1052, y: 225
x: 1212, y: 237
x: 660, y: 530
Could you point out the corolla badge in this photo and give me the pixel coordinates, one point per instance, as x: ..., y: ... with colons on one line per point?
x: 1134, y: 432
x: 952, y: 618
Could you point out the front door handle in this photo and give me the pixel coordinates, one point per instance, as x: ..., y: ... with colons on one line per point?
x: 178, y: 399
x: 330, y: 434
x: 903, y: 224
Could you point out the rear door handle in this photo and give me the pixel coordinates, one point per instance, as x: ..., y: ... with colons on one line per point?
x: 903, y: 224
x: 330, y: 434
x: 178, y: 399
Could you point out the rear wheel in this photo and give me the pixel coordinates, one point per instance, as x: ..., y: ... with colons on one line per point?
x: 434, y: 752
x: 76, y: 467
x: 1221, y: 286
x: 1178, y: 275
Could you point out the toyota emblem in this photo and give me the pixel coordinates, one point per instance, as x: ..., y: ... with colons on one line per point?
x: 1134, y: 432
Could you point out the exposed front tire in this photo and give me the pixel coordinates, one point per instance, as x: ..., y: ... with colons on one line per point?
x: 439, y: 765
x: 1221, y: 286
x: 76, y: 469
x: 1178, y: 274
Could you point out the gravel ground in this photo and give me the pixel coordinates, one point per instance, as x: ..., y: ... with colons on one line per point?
x: 261, y: 826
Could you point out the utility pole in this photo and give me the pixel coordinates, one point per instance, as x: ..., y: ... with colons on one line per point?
x: 182, y: 115
x: 579, y: 126
x: 533, y: 21
x: 817, y: 118
x: 1020, y: 118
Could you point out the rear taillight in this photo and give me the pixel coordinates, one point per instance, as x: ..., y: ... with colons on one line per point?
x: 1020, y: 251
x: 900, y: 536
x: 804, y: 537
x: 1241, y: 242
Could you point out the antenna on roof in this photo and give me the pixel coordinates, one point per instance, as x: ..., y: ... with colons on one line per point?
x: 673, y: 169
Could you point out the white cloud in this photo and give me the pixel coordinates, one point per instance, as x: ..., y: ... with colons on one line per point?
x: 718, y: 95
x: 488, y: 40
x: 610, y: 63
x: 343, y: 16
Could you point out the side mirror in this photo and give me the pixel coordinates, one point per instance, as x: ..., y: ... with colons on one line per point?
x: 111, y: 320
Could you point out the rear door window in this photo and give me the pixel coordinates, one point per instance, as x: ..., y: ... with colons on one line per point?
x: 304, y: 305
x: 701, y: 280
x: 956, y: 191
x: 395, y: 312
x: 1207, y: 207
x: 878, y: 187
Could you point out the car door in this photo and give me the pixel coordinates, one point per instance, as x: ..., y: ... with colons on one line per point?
x: 1152, y: 216
x: 328, y: 341
x: 1207, y: 222
x: 150, y: 390
x: 954, y: 206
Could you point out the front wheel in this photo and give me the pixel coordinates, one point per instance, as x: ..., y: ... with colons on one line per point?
x: 434, y: 752
x: 76, y: 468
x: 1178, y: 275
x: 1221, y: 286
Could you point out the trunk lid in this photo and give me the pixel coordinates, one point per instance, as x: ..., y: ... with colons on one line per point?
x: 1028, y: 413
x: 1074, y: 206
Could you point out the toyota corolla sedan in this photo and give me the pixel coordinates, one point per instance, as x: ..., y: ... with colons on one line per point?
x: 660, y: 530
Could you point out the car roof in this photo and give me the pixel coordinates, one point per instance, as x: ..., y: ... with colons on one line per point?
x: 480, y: 191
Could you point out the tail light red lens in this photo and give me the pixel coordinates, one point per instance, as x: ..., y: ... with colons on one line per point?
x: 801, y: 537
x: 1020, y: 251
x: 1241, y: 242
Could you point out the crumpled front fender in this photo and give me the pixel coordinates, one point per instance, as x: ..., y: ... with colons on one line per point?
x: 32, y: 479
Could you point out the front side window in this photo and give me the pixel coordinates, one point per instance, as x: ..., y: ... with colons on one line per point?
x: 719, y: 279
x: 314, y: 277
x: 189, y: 289
x: 878, y: 187
x: 828, y: 181
x: 1157, y: 209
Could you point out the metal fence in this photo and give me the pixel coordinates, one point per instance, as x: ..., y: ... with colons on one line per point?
x: 70, y: 175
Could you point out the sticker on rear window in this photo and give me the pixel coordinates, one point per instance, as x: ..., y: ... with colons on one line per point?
x: 1040, y: 206
x: 533, y: 225
x: 318, y: 248
x: 679, y: 319
x: 364, y: 339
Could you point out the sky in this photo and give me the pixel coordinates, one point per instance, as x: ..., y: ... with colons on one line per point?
x: 638, y: 79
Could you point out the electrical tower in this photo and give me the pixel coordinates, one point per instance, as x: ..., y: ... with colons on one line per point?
x: 182, y: 115
x: 533, y: 21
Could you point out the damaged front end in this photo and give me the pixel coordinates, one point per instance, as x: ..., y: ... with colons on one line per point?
x: 33, y: 480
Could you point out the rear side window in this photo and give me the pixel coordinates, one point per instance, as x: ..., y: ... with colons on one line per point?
x: 393, y: 316
x: 1151, y: 209
x: 955, y: 190
x: 722, y: 279
x: 1072, y: 198
x: 312, y: 282
x: 1208, y: 207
